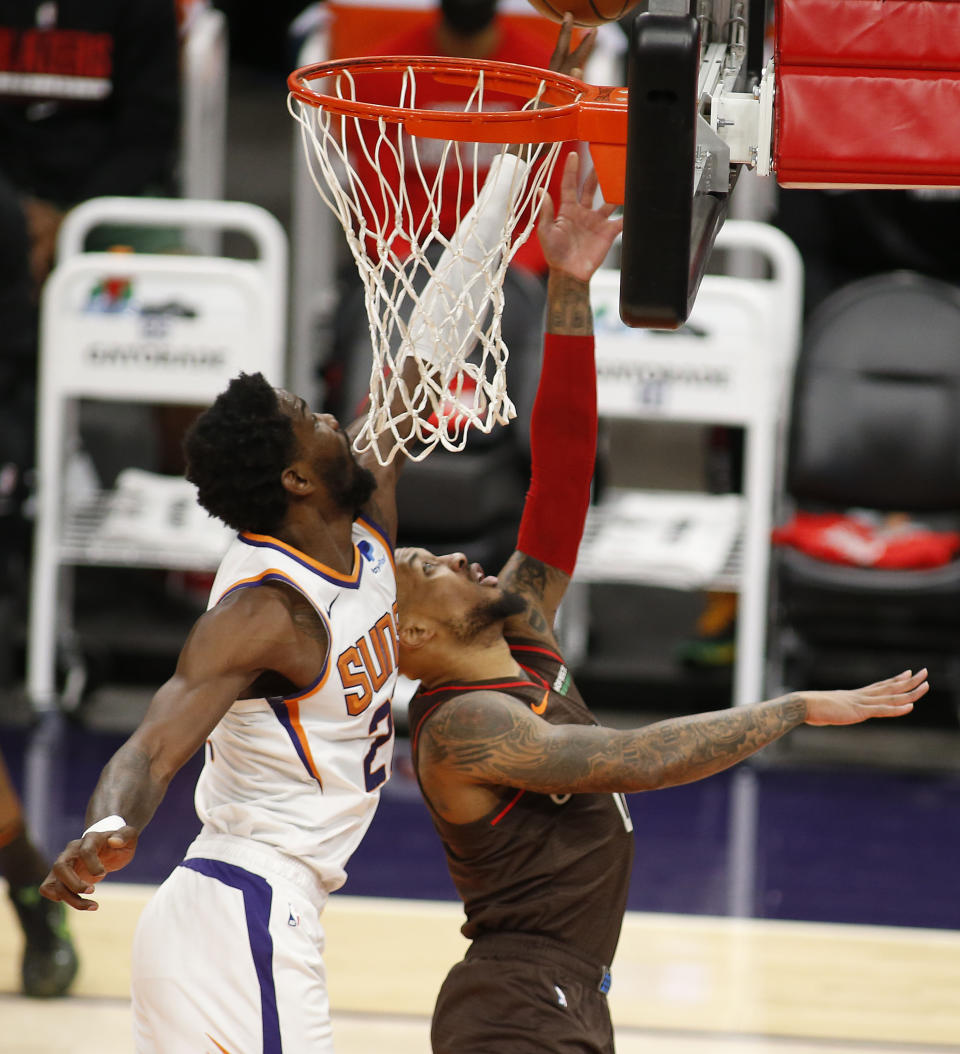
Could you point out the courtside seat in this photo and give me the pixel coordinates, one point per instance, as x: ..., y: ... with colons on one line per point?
x: 875, y: 425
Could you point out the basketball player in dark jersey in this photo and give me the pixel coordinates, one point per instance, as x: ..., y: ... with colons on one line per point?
x: 524, y: 787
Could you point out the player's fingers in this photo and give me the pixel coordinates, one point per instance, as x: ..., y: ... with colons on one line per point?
x: 909, y: 684
x: 571, y: 173
x: 125, y: 836
x: 902, y: 680
x: 547, y: 215
x: 58, y: 891
x: 916, y: 693
x: 582, y: 52
x: 65, y: 880
x: 879, y: 710
x: 562, y: 50
x: 589, y: 188
x: 898, y: 696
x: 90, y: 858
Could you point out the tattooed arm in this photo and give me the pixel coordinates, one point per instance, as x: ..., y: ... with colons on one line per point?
x: 484, y: 740
x: 260, y: 633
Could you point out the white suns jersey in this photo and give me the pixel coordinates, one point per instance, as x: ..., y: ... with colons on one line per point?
x: 301, y: 774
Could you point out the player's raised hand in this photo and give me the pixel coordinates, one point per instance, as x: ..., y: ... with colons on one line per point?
x: 575, y: 236
x: 86, y: 861
x: 893, y: 697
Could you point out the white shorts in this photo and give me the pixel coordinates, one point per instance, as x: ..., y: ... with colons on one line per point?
x: 226, y: 961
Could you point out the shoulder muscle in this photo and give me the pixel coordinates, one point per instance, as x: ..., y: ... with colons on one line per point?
x: 482, y: 737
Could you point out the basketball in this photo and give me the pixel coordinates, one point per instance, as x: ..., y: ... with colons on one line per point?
x: 585, y: 12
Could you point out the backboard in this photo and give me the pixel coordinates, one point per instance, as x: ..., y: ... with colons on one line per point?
x: 679, y: 173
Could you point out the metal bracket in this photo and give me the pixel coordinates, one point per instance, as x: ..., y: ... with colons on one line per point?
x: 744, y: 121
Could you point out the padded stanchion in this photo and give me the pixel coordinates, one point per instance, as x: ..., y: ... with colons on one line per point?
x: 905, y: 34
x: 868, y: 93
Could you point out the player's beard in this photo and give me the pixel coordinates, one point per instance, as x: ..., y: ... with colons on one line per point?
x: 487, y: 613
x: 350, y: 485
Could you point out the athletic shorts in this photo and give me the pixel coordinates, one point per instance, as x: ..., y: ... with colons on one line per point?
x: 519, y: 994
x: 226, y: 961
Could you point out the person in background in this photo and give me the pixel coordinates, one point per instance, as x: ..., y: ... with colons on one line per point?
x: 49, y: 964
x: 89, y: 106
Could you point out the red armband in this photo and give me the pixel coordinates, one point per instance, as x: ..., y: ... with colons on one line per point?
x: 563, y: 448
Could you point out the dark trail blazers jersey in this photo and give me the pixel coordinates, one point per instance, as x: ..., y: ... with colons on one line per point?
x: 549, y: 864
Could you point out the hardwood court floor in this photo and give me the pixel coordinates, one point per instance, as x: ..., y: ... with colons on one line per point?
x: 682, y: 984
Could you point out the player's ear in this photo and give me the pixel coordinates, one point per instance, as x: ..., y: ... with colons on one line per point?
x: 295, y: 480
x: 415, y: 633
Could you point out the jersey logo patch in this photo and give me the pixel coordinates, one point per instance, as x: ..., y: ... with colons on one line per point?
x: 541, y: 708
x: 368, y: 553
x: 561, y: 683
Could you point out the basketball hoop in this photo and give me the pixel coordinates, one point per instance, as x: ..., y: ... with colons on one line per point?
x: 432, y: 240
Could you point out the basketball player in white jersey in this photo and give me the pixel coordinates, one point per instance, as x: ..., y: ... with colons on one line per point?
x: 287, y: 678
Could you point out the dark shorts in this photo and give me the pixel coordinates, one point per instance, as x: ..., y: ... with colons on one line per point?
x: 518, y: 994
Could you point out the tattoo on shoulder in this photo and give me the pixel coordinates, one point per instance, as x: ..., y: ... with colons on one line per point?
x: 471, y: 730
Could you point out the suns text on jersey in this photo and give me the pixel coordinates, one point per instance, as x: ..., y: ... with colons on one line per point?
x: 365, y: 665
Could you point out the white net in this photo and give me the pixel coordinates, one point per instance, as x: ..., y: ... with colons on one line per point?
x: 432, y: 241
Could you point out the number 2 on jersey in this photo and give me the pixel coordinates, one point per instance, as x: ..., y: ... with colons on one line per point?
x: 373, y: 777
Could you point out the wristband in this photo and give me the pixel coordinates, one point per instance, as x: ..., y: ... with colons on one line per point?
x: 108, y: 823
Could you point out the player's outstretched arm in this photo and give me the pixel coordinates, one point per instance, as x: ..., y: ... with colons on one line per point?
x: 576, y: 238
x: 227, y: 649
x: 486, y: 738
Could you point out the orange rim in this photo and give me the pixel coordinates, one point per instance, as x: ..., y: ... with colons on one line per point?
x: 572, y: 108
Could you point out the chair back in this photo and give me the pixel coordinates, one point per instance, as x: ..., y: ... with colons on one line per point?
x: 875, y: 418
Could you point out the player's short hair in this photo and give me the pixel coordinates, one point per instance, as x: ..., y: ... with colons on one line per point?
x: 236, y: 452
